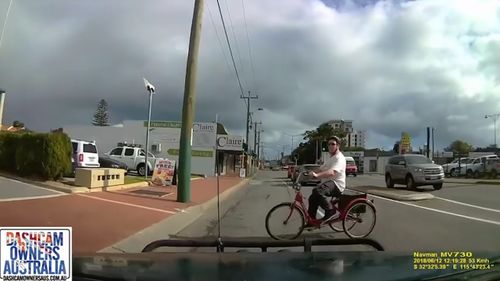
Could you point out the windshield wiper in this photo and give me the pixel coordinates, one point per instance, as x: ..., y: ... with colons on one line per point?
x: 263, y: 244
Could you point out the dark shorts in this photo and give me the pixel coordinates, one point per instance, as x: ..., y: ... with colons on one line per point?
x: 328, y: 188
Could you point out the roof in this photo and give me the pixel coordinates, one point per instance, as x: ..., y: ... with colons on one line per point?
x: 11, y: 128
x: 378, y: 152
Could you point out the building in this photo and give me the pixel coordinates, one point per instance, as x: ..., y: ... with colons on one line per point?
x: 164, y: 139
x: 353, y: 138
x: 375, y: 161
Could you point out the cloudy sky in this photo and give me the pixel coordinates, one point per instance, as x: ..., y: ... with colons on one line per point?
x: 390, y: 66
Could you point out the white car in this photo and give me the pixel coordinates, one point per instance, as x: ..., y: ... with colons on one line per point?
x: 134, y: 158
x: 84, y: 154
x: 476, y: 166
x: 452, y: 168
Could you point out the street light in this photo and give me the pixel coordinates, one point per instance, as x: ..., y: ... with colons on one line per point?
x: 151, y: 89
x: 494, y: 117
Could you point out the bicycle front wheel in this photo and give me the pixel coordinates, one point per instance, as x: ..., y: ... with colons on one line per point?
x: 285, y: 221
x: 359, y: 220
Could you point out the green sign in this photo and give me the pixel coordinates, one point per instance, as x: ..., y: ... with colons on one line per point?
x: 195, y: 153
x: 163, y: 124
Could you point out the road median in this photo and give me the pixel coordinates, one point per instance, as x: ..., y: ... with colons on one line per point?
x: 396, y: 194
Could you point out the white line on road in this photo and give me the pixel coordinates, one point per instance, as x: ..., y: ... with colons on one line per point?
x: 31, y: 197
x: 439, y: 211
x: 128, y: 204
x: 469, y: 205
x: 34, y: 186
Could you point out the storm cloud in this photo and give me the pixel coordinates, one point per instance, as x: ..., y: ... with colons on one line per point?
x: 389, y: 66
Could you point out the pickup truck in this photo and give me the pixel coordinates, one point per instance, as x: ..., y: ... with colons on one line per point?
x: 476, y: 168
x: 134, y: 157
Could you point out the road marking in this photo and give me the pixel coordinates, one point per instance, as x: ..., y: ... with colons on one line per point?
x: 469, y: 205
x: 35, y: 186
x: 128, y: 204
x: 30, y: 197
x: 439, y: 211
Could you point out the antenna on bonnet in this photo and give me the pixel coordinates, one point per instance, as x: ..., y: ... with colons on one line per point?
x: 220, y: 246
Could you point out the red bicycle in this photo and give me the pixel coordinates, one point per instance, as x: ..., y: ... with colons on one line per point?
x: 357, y: 213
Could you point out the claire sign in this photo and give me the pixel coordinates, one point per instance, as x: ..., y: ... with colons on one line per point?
x: 227, y: 142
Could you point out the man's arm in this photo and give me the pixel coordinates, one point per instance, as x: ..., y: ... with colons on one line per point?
x: 326, y: 170
x: 325, y: 174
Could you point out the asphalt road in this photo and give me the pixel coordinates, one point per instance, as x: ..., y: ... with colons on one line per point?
x: 460, y: 217
x: 12, y: 190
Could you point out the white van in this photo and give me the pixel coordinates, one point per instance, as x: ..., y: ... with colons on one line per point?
x: 84, y: 154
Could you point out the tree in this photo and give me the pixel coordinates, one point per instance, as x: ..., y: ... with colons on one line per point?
x: 101, y: 116
x: 460, y: 147
x: 17, y: 124
x: 306, y: 152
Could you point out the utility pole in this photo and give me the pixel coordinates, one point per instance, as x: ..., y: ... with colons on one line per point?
x: 494, y: 117
x: 184, y: 182
x: 432, y: 143
x: 428, y: 141
x: 255, y: 136
x: 248, y: 98
x: 259, y: 146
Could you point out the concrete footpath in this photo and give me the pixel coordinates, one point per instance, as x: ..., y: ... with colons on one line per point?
x: 205, y: 198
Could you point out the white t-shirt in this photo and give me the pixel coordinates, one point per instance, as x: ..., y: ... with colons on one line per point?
x: 338, y: 164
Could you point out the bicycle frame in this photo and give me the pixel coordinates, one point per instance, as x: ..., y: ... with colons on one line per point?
x: 300, y: 204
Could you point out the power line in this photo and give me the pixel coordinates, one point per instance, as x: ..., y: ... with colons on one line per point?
x: 230, y: 49
x: 249, y: 46
x: 218, y: 39
x: 5, y: 23
x: 238, y: 53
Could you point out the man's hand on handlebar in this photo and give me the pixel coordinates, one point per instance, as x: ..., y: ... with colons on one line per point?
x: 312, y: 174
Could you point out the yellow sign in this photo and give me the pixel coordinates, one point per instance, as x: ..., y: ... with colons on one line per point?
x: 405, y: 144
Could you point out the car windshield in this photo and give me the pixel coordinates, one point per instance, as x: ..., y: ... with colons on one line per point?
x: 221, y: 96
x: 417, y: 160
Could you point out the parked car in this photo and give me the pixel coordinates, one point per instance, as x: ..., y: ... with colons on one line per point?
x: 492, y: 167
x: 84, y: 154
x: 452, y: 168
x: 107, y: 162
x: 304, y: 180
x: 351, y: 168
x: 134, y: 158
x: 476, y: 168
x: 413, y: 170
x: 291, y: 171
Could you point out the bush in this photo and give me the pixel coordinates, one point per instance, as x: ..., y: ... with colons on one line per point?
x: 47, y: 156
x: 8, y: 145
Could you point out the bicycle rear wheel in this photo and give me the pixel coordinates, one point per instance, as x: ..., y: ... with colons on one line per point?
x: 285, y: 221
x: 359, y: 220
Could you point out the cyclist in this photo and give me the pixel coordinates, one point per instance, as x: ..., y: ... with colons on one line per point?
x: 332, y: 175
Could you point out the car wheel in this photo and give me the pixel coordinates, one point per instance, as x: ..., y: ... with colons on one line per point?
x: 437, y: 186
x: 476, y: 174
x: 388, y: 181
x: 454, y: 173
x: 355, y: 175
x: 410, y: 183
x: 469, y: 174
x: 141, y: 170
x: 493, y: 174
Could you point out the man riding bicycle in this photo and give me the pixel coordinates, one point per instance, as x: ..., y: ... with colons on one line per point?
x: 332, y: 175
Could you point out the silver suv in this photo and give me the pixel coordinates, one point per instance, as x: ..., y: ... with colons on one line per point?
x: 413, y: 170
